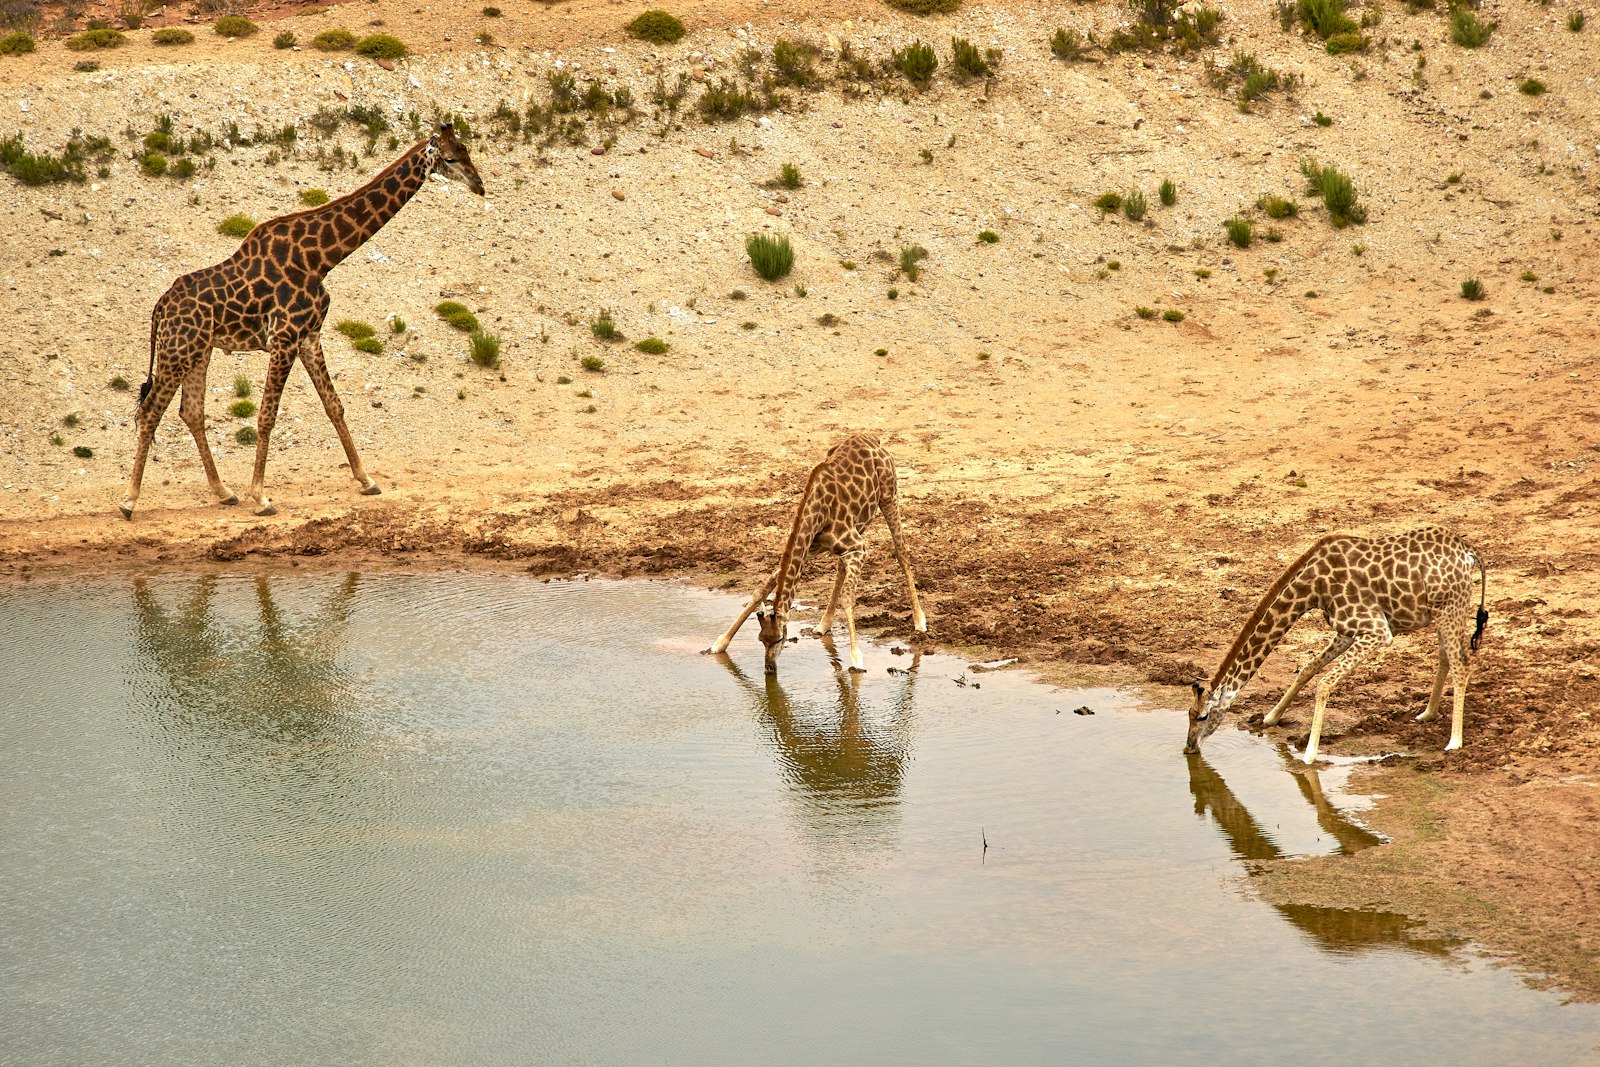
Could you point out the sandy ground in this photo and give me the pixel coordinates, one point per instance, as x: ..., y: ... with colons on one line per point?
x: 1081, y: 486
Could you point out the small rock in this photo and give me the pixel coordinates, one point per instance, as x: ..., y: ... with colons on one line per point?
x: 705, y: 152
x: 618, y: 194
x: 597, y: 151
x: 1083, y: 711
x: 386, y: 64
x: 377, y: 403
x: 775, y: 212
x: 780, y: 198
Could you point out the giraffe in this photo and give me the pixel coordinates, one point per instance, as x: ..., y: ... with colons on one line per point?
x: 268, y: 295
x: 854, y: 482
x: 1369, y: 590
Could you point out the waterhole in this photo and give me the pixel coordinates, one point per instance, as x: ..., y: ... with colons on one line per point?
x: 482, y: 819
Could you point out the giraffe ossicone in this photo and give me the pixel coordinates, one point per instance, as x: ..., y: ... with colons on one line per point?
x: 853, y: 484
x: 269, y: 295
x: 1369, y: 590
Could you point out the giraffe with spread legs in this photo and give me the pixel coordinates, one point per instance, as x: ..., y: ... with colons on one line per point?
x: 853, y: 483
x: 269, y: 296
x: 1369, y: 590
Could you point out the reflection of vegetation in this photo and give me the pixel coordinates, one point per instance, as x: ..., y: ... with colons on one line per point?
x: 1337, y: 930
x: 269, y: 677
x: 847, y: 773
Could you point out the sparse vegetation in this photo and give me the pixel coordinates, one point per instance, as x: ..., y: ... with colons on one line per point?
x: 1325, y: 18
x: 241, y: 385
x: 657, y: 27
x: 1343, y: 43
x: 1108, y: 203
x: 457, y: 315
x: 154, y: 165
x: 1172, y: 315
x: 789, y: 176
x: 917, y: 62
x: 486, y: 349
x: 313, y: 197
x: 1240, y: 232
x: 370, y: 345
x: 242, y: 409
x: 83, y: 452
x: 491, y: 12
x: 1168, y: 193
x: 17, y: 43
x: 1575, y: 21
x: 1467, y: 29
x: 1528, y: 276
x: 604, y: 327
x: 1161, y: 23
x: 910, y: 257
x: 171, y: 35
x: 234, y: 26
x: 246, y: 435
x: 1321, y: 120
x: 236, y: 226
x: 1134, y: 205
x: 772, y: 257
x: 1337, y: 191
x: 285, y: 39
x: 334, y: 40
x: 652, y: 346
x: 119, y: 383
x: 1276, y: 207
x: 1068, y: 45
x: 94, y: 40
x: 894, y: 294
x: 988, y: 237
x: 57, y: 440
x: 43, y: 168
x: 592, y: 364
x: 970, y: 62
x: 926, y: 7
x: 794, y: 63
x: 1532, y: 87
x: 397, y: 325
x: 381, y: 46
x: 1144, y: 312
x: 355, y: 330
x: 1472, y: 289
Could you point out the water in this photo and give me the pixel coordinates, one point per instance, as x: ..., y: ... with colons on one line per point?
x: 358, y: 820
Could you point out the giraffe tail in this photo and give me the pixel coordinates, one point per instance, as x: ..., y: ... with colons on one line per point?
x: 1483, y: 616
x: 150, y: 374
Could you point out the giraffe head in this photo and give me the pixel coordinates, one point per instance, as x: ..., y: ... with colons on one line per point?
x: 450, y: 159
x: 1204, y: 715
x: 773, y: 627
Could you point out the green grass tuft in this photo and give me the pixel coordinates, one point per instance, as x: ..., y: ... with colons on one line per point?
x: 355, y: 330
x: 1472, y: 289
x: 1134, y: 205
x: 1172, y: 315
x: 236, y: 226
x: 17, y: 44
x: 235, y: 26
x: 1469, y: 31
x: 657, y: 27
x: 285, y: 39
x: 1168, y: 193
x: 381, y: 46
x: 1144, y: 312
x: 246, y: 435
x: 242, y: 409
x: 910, y: 257
x: 313, y: 197
x: 1108, y: 203
x: 1532, y: 87
x: 917, y: 62
x: 593, y: 364
x: 241, y: 385
x: 171, y: 35
x: 370, y: 345
x: 335, y: 40
x: 789, y: 176
x: 83, y: 452
x: 94, y: 40
x: 485, y: 349
x: 1240, y: 232
x: 653, y: 346
x: 772, y: 257
x: 604, y: 327
x: 988, y: 237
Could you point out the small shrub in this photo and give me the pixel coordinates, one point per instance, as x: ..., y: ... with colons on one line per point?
x: 1337, y: 191
x: 246, y: 435
x: 83, y: 452
x: 738, y: 294
x: 381, y: 46
x: 1467, y: 30
x: 241, y: 385
x: 1168, y: 193
x: 1172, y: 315
x: 234, y: 26
x: 397, y: 325
x: 170, y: 35
x: 917, y: 62
x: 1144, y: 312
x: 370, y: 345
x: 153, y: 164
x: 457, y: 315
x: 968, y: 60
x: 1276, y: 207
x: 355, y: 330
x: 789, y: 176
x: 1325, y: 18
x: 1067, y: 44
x: 1274, y: 235
x: 119, y: 383
x: 1531, y: 87
x: 880, y: 351
x: 70, y: 419
x: 1321, y: 120
x: 486, y: 349
x: 242, y: 409
x: 57, y: 440
x: 16, y: 44
x: 1240, y: 232
x: 1472, y: 289
x: 794, y: 63
x: 1528, y: 276
x: 604, y: 327
x: 183, y: 168
x: 926, y: 7
x: 847, y: 264
x: 772, y: 257
x: 1343, y: 43
x: 1108, y: 203
x: 657, y: 27
x: 86, y: 66
x: 910, y: 256
x: 335, y: 40
x: 1202, y: 273
x: 653, y: 346
x: 1134, y: 206
x: 593, y: 364
x: 894, y: 294
x: 94, y: 40
x: 1575, y: 22
x: 313, y: 197
x: 988, y: 237
x: 562, y: 379
x: 285, y: 39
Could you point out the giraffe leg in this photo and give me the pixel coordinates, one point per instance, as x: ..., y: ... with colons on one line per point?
x: 853, y: 561
x: 1458, y: 690
x: 149, y: 416
x: 282, y: 358
x: 833, y: 600
x: 1334, y: 650
x: 720, y: 645
x: 1438, y: 681
x: 192, y: 409
x: 890, y: 507
x: 1362, y: 648
x: 311, y: 356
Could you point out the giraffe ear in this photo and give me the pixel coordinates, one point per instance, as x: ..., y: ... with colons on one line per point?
x: 1199, y: 690
x: 447, y: 127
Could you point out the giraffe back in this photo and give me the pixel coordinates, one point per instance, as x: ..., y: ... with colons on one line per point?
x: 847, y: 489
x: 1414, y: 578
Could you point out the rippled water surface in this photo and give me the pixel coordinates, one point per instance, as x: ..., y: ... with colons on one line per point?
x: 359, y: 820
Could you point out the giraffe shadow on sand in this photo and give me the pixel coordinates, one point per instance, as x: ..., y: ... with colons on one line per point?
x: 1341, y: 931
x: 268, y: 296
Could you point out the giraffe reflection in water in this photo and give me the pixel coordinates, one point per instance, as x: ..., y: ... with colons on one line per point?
x: 845, y: 769
x: 258, y: 673
x: 1337, y: 930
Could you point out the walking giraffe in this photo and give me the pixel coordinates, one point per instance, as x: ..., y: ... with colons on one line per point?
x: 268, y: 295
x: 853, y: 483
x: 1369, y: 589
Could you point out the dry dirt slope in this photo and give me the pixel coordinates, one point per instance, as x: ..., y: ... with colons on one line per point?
x: 1100, y: 489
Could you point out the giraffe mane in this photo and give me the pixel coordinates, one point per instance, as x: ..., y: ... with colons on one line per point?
x: 782, y: 588
x: 352, y: 194
x: 1265, y: 604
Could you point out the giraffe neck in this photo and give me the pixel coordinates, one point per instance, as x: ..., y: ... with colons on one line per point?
x: 339, y: 227
x: 1288, y: 599
x: 807, y: 521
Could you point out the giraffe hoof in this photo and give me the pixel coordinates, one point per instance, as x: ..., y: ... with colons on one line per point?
x: 371, y: 490
x: 270, y: 509
x: 127, y: 511
x: 233, y: 498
